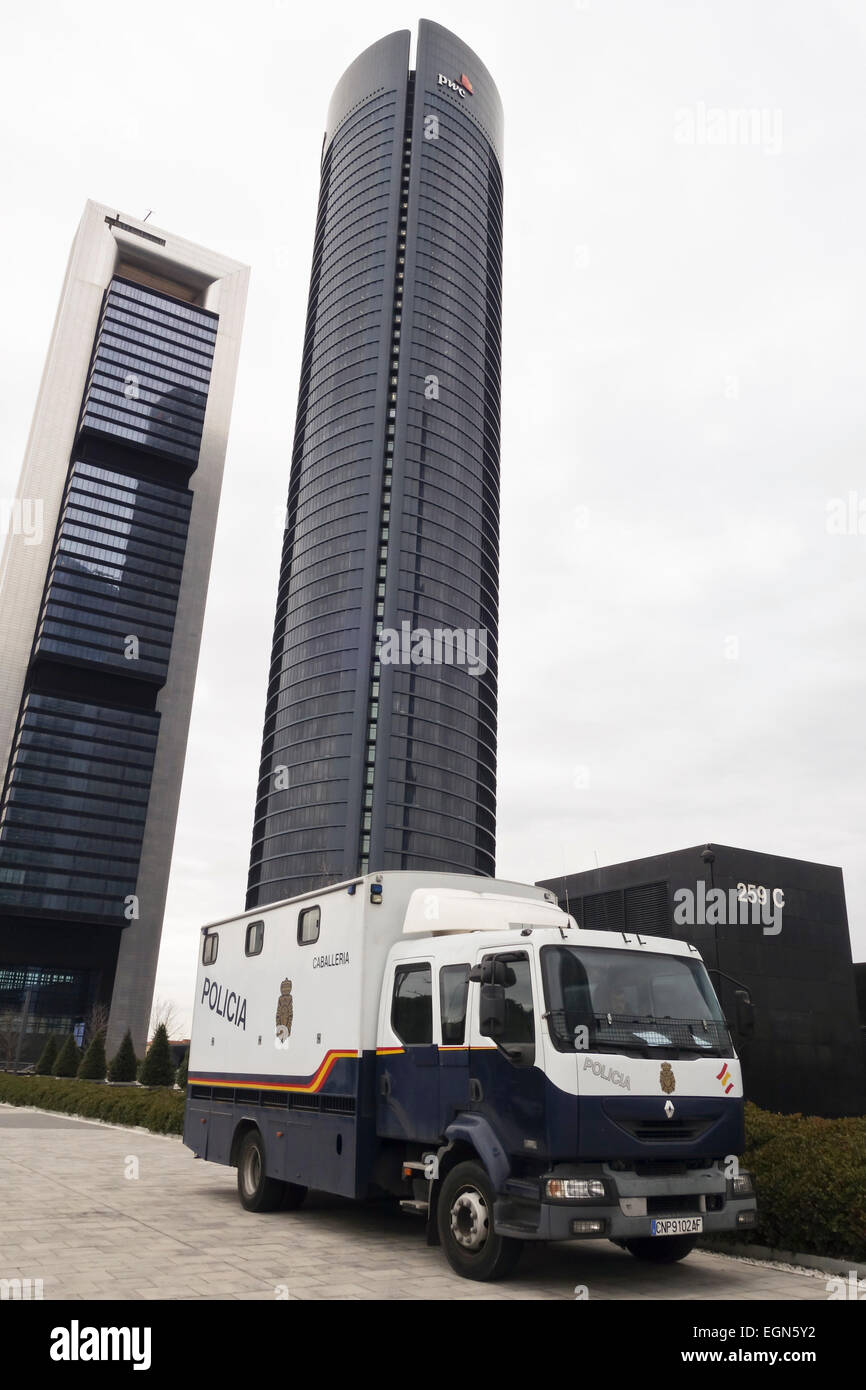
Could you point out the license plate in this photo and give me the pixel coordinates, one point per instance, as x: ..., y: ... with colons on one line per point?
x: 678, y: 1226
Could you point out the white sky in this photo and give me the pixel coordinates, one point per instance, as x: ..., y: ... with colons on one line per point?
x: 685, y: 338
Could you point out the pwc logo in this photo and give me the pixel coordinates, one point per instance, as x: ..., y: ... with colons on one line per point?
x: 462, y: 87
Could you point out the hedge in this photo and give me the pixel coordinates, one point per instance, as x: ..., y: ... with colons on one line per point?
x: 159, y: 1110
x: 811, y: 1179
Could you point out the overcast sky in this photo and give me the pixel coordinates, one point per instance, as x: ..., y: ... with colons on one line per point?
x: 683, y: 639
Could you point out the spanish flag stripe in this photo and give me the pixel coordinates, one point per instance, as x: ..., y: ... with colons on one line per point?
x: 318, y: 1080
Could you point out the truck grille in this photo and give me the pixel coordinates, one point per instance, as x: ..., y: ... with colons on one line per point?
x: 685, y: 1205
x: 682, y: 1131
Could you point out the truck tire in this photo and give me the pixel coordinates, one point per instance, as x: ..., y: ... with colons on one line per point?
x: 464, y: 1216
x: 257, y: 1191
x: 661, y: 1250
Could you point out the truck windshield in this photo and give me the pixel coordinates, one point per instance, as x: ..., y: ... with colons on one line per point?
x: 608, y: 1000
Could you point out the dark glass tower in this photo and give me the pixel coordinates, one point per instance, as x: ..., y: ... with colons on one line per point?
x: 393, y: 509
x: 75, y: 802
x: 101, y: 620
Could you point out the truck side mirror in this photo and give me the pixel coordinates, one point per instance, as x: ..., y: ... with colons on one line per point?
x: 745, y: 1014
x: 492, y: 1015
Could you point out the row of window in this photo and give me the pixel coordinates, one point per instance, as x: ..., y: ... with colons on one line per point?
x: 130, y: 289
x: 107, y: 483
x: 88, y: 720
x: 309, y: 923
x: 147, y: 334
x: 102, y: 420
x: 412, y: 1002
x: 118, y: 312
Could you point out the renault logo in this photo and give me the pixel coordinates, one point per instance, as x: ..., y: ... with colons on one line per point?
x: 669, y: 1109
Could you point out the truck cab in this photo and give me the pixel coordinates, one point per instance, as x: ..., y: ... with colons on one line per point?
x: 590, y: 1075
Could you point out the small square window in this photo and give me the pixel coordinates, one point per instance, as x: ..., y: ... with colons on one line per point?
x: 209, y: 949
x: 255, y: 938
x: 309, y: 921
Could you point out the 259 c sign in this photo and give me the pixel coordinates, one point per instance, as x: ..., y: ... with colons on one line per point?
x: 757, y: 893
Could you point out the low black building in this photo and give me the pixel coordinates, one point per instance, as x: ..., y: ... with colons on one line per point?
x: 777, y: 926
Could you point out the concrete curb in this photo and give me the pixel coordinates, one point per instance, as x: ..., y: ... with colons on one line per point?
x: 824, y: 1263
x: 89, y: 1120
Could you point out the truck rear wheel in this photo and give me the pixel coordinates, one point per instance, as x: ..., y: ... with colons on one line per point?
x: 257, y: 1191
x: 464, y: 1216
x: 661, y: 1250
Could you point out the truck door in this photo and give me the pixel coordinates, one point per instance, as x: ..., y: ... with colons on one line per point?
x: 506, y: 1079
x: 407, y: 1057
x: 454, y: 1042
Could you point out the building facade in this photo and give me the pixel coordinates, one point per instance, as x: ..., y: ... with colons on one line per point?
x: 379, y: 748
x: 777, y: 926
x: 101, y: 606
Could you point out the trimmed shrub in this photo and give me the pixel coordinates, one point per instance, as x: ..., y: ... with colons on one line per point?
x: 68, y: 1058
x: 93, y: 1064
x: 160, y: 1111
x: 811, y: 1179
x: 182, y: 1071
x: 124, y: 1064
x: 47, y: 1058
x: 157, y: 1069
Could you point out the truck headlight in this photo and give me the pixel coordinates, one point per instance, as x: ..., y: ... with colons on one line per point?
x: 575, y: 1189
x: 741, y: 1185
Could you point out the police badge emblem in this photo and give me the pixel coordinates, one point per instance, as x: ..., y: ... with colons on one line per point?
x: 667, y: 1080
x: 285, y: 1011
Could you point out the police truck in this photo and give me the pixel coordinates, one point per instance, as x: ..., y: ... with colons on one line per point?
x: 462, y: 1045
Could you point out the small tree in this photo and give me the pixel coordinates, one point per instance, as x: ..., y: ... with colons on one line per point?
x: 68, y: 1059
x: 96, y: 1022
x: 164, y: 1012
x: 93, y: 1064
x: 10, y: 1026
x: 157, y: 1069
x: 183, y: 1070
x: 124, y: 1064
x: 47, y: 1058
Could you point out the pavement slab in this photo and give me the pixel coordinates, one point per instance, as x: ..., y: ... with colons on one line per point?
x: 74, y: 1217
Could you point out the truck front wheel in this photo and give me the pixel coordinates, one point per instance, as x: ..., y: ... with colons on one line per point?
x: 464, y: 1214
x: 661, y: 1250
x: 257, y: 1191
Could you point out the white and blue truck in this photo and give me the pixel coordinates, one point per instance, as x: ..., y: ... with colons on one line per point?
x: 461, y: 1044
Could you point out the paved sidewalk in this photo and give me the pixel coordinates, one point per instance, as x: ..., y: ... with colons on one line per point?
x: 72, y: 1217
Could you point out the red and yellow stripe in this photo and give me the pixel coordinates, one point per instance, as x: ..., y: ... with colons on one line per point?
x: 308, y: 1087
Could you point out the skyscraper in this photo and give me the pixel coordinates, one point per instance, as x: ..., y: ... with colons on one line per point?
x: 102, y: 595
x: 379, y: 744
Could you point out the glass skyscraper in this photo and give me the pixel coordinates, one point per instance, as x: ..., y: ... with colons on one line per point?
x: 379, y: 744
x: 102, y: 616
